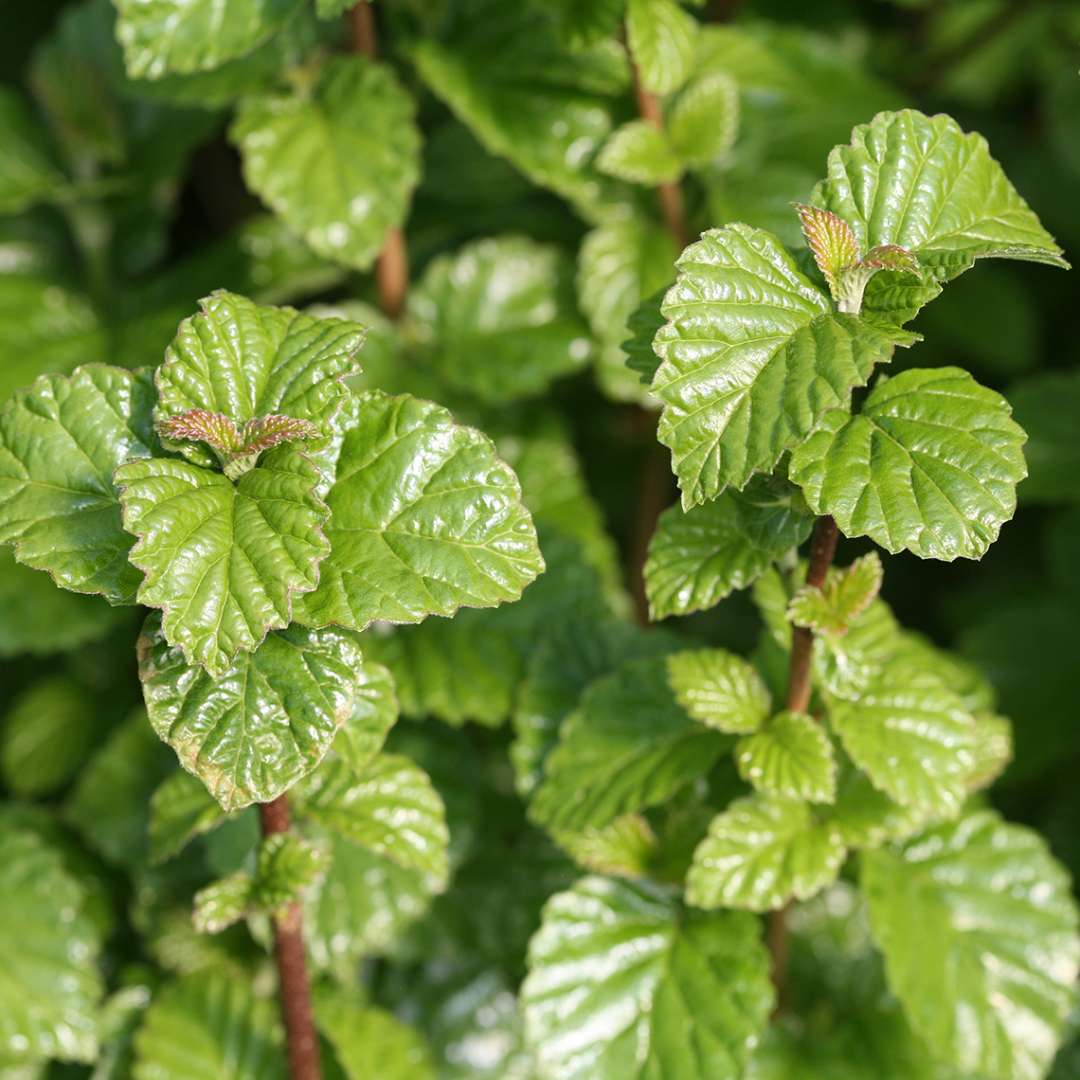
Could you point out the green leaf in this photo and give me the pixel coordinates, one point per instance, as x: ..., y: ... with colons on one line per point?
x: 640, y: 153
x: 50, y: 986
x: 661, y: 38
x: 390, y: 807
x: 978, y: 927
x: 331, y: 9
x: 993, y: 749
x: 697, y: 557
x: 930, y: 465
x: 180, y: 809
x: 642, y: 326
x: 582, y: 23
x: 762, y: 852
x: 264, y: 723
x: 626, y: 846
x: 500, y: 318
x: 912, y: 735
x: 752, y: 360
x: 845, y: 596
x: 624, y: 984
x: 177, y: 36
x: 288, y: 866
x: 425, y: 519
x: 338, y: 160
x: 60, y: 442
x: 375, y: 712
x: 719, y: 689
x: 790, y: 756
x: 866, y: 817
x: 1046, y: 406
x: 222, y: 560
x: 704, y: 121
x: 209, y: 1025
x: 28, y: 170
x: 628, y: 746
x: 222, y: 904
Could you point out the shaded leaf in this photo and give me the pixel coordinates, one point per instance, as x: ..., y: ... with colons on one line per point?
x: 180, y: 809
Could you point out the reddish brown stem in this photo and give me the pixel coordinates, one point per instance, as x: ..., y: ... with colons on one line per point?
x: 294, y: 988
x: 392, y: 268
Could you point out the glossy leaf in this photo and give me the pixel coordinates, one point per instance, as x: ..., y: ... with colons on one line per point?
x: 264, y: 723
x: 338, y: 161
x: 993, y: 749
x: 625, y: 985
x: 375, y: 712
x: 640, y: 153
x: 929, y: 465
x: 790, y: 756
x: 719, y: 689
x: 762, y: 852
x: 704, y: 121
x: 979, y: 931
x: 60, y: 442
x: 845, y: 595
x: 661, y: 38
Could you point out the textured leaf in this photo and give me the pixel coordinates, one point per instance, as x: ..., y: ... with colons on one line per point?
x: 162, y: 36
x: 221, y: 904
x: 642, y: 326
x: 339, y: 161
x: 930, y: 465
x: 222, y: 560
x: 499, y: 317
x: 661, y: 38
x: 627, y: 747
x: 28, y: 171
x: 752, y: 359
x: 704, y: 121
x: 978, y: 927
x: 180, y: 809
x: 264, y: 723
x: 425, y: 519
x: 209, y: 1025
x: 832, y: 242
x: 1046, y: 406
x: 993, y: 749
x: 389, y: 807
x: 762, y: 852
x: 49, y: 982
x: 640, y: 153
x: 790, y: 756
x: 720, y: 689
x: 625, y: 846
x: 697, y: 557
x: 374, y: 714
x: 626, y: 985
x: 866, y: 817
x: 843, y: 598
x: 912, y: 735
x: 288, y: 866
x: 60, y: 441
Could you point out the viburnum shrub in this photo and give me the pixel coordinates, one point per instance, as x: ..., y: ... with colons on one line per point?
x: 304, y: 497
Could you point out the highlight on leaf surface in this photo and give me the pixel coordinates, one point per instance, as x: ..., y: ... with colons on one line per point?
x: 845, y: 595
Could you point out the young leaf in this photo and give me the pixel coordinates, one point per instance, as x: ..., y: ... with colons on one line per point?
x: 374, y: 714
x: 831, y: 241
x: 762, y: 852
x: 979, y: 931
x: 264, y: 723
x: 790, y: 756
x: 222, y: 560
x: 221, y: 904
x: 930, y: 465
x: 60, y: 442
x: 661, y: 37
x: 337, y: 160
x: 624, y: 984
x: 845, y: 596
x: 745, y: 329
x: 640, y: 153
x: 719, y: 689
x: 425, y: 519
x: 704, y: 121
x: 627, y: 747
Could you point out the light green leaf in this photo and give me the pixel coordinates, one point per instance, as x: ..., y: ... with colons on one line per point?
x: 390, y: 807
x: 624, y: 984
x: 625, y: 846
x: 162, y: 36
x: 993, y: 749
x: 978, y: 927
x: 338, y: 160
x: 209, y: 1025
x: 661, y: 37
x: 912, y: 735
x: 28, y: 170
x: 222, y: 560
x: 697, y: 557
x: 222, y: 903
x: 845, y: 665
x: 180, y: 809
x: 752, y: 359
x: 288, y: 867
x: 1046, y: 406
x: 425, y: 519
x: 264, y: 723
x: 704, y: 121
x: 930, y: 465
x: 499, y: 318
x: 719, y: 689
x: 790, y: 756
x: 866, y: 817
x: 50, y: 986
x: 639, y: 152
x: 762, y: 852
x: 844, y: 597
x: 330, y: 9
x: 628, y: 746
x: 60, y: 442
x: 374, y: 714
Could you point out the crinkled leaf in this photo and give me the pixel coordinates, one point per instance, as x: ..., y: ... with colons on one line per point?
x: 661, y: 38
x: 752, y: 360
x: 60, y: 442
x: 625, y: 984
x: 762, y: 852
x: 979, y: 931
x: 719, y: 689
x: 219, y: 905
x: 425, y: 519
x: 639, y: 152
x: 265, y: 722
x: 790, y: 756
x: 180, y: 809
x: 929, y: 465
x: 375, y: 712
x: 28, y: 170
x: 288, y: 866
x: 642, y: 326
x: 628, y: 746
x: 704, y: 121
x: 845, y: 595
x: 831, y: 240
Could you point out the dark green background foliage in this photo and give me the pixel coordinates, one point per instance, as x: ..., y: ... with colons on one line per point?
x: 266, y: 158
